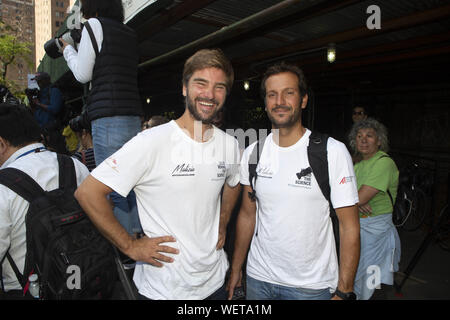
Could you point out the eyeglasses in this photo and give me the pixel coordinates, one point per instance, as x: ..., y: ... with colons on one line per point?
x: 358, y: 113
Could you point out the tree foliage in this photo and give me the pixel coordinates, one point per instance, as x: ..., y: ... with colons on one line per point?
x: 12, y: 51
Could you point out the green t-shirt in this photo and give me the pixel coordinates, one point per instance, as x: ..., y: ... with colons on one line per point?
x: 381, y: 173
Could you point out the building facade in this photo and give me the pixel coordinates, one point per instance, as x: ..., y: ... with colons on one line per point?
x: 49, y: 17
x: 19, y: 14
x: 36, y: 22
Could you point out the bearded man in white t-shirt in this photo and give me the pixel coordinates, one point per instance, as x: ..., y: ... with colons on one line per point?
x: 293, y: 253
x: 177, y: 171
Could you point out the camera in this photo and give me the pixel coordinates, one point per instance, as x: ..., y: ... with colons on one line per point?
x: 53, y: 47
x: 32, y: 94
x: 7, y: 97
x: 80, y: 122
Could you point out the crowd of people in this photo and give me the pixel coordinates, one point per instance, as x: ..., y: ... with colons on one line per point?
x: 164, y: 192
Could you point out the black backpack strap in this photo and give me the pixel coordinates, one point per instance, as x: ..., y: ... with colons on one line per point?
x: 318, y: 160
x: 21, y: 183
x: 16, y: 270
x: 25, y: 186
x: 390, y: 197
x: 252, y: 164
x: 387, y: 191
x: 67, y: 174
x: 14, y: 267
x: 92, y: 36
x: 1, y: 272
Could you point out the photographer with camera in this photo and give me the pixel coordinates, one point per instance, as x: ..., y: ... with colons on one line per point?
x: 113, y: 105
x: 47, y: 105
x: 47, y: 102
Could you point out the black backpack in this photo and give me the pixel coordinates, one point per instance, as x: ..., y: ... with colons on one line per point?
x: 60, y: 239
x: 317, y: 157
x: 402, y: 205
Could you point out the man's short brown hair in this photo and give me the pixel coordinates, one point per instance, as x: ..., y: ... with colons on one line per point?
x: 281, y: 68
x: 208, y: 58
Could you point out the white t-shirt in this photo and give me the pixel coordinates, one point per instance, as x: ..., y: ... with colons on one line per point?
x: 293, y: 244
x: 43, y: 168
x: 178, y: 184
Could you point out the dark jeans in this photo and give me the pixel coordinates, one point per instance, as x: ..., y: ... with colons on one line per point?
x: 260, y: 290
x: 220, y: 294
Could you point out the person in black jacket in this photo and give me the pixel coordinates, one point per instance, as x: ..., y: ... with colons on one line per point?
x: 113, y: 106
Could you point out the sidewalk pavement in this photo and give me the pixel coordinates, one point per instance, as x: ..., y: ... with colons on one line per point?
x: 430, y: 278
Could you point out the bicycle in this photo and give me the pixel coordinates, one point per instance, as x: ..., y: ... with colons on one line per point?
x: 413, y: 202
x: 439, y: 233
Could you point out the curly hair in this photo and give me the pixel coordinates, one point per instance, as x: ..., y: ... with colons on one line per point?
x: 369, y: 123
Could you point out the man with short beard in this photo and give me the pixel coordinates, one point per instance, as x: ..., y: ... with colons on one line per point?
x: 177, y: 171
x: 293, y: 254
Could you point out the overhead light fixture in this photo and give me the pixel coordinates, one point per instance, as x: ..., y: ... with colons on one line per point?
x: 148, y: 100
x: 246, y: 85
x: 331, y: 53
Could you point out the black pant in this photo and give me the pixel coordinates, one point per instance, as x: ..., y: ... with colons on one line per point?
x: 219, y: 294
x: 14, y: 295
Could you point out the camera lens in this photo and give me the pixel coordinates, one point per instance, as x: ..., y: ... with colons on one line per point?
x: 79, y: 123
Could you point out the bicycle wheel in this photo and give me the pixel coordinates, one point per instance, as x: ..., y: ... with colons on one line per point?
x: 420, y: 205
x: 402, y: 208
x: 443, y: 233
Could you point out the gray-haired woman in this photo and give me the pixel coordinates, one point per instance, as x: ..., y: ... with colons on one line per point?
x: 376, y: 176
